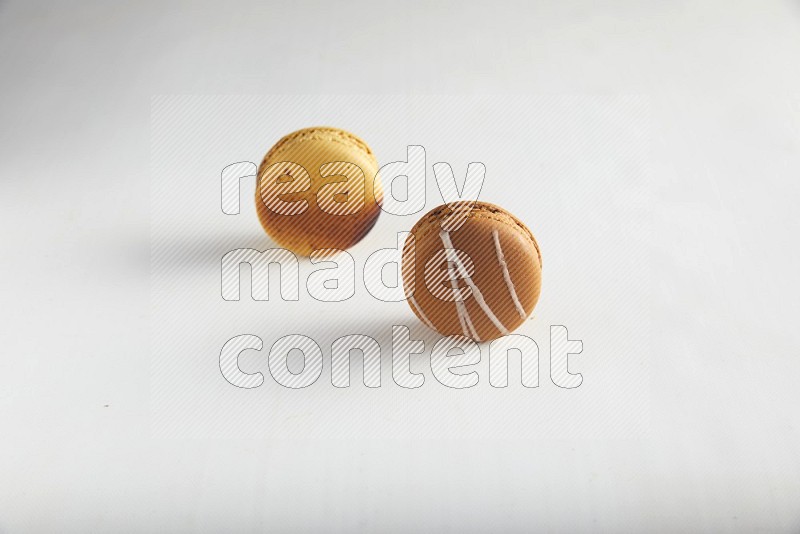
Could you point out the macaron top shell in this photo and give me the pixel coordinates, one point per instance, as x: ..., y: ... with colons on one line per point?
x: 499, y: 268
x: 318, y: 227
x: 325, y: 134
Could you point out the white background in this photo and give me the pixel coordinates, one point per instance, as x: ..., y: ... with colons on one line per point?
x: 576, y: 169
x: 77, y: 449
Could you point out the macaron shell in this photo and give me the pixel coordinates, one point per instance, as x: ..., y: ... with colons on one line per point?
x: 510, y: 297
x: 316, y: 229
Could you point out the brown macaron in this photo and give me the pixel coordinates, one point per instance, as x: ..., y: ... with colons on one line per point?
x: 318, y: 189
x: 475, y: 272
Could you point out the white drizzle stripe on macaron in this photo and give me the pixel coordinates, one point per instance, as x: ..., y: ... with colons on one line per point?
x: 448, y: 245
x: 506, y: 275
x: 461, y: 309
x: 471, y: 326
x: 422, y: 315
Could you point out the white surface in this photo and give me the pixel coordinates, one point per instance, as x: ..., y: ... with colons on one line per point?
x: 575, y: 169
x: 722, y: 448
